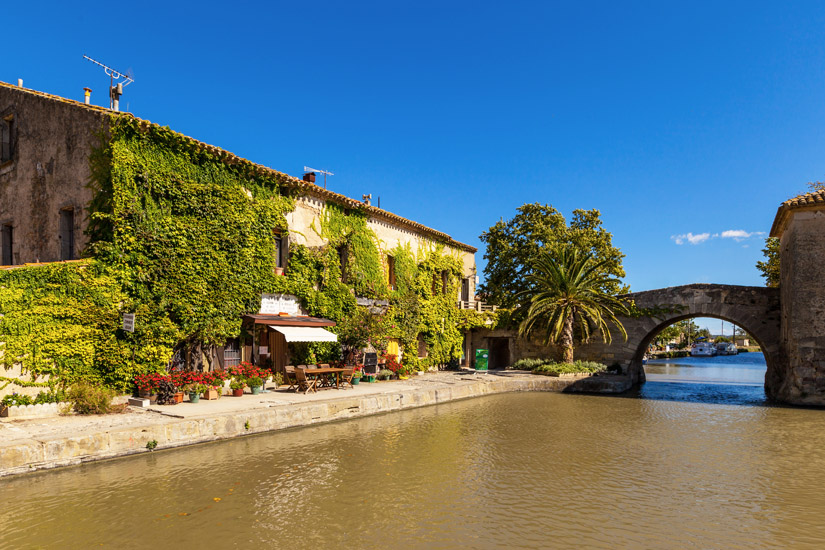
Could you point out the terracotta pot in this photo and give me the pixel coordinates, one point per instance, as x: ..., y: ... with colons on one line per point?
x: 238, y: 393
x: 279, y: 271
x: 178, y: 397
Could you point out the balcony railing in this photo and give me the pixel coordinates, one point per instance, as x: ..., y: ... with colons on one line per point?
x: 476, y: 305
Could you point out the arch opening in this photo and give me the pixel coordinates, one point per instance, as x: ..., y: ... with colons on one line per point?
x: 637, y: 366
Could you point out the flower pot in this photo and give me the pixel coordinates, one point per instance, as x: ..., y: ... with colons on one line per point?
x: 402, y: 377
x: 356, y: 381
x: 194, y: 397
x: 256, y: 390
x: 211, y: 393
x: 147, y: 394
x: 178, y: 397
x: 370, y: 379
x: 238, y: 393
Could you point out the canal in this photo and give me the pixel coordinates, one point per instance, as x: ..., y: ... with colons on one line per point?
x: 696, y: 458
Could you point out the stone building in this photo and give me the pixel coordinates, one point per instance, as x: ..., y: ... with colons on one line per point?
x: 47, y: 142
x: 44, y: 169
x: 800, y: 227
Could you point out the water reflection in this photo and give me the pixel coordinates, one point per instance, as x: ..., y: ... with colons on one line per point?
x: 533, y: 470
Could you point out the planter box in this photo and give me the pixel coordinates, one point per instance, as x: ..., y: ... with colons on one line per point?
x: 34, y: 411
x: 210, y: 394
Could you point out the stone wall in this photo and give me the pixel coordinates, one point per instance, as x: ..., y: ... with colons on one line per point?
x: 48, y: 172
x: 802, y: 284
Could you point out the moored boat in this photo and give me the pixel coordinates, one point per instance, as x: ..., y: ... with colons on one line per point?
x: 726, y: 348
x: 702, y: 349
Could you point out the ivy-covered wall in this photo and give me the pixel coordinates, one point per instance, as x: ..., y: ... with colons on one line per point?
x: 182, y: 235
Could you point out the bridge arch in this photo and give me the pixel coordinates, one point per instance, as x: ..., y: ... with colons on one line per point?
x: 755, y: 309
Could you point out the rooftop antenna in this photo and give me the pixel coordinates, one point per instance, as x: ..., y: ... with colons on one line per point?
x: 115, y: 91
x: 324, y: 172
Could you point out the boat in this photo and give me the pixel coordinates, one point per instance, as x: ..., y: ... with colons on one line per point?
x: 726, y: 348
x: 702, y: 349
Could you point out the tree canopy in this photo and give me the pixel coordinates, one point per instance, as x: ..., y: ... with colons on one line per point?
x: 514, y: 247
x: 565, y: 292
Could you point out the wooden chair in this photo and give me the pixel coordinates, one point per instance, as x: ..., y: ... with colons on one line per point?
x: 346, y: 378
x: 289, y: 377
x: 304, y: 384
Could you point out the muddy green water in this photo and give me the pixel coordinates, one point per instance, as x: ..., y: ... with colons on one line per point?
x: 509, y: 471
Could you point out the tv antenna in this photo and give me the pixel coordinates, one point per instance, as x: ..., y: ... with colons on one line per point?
x: 324, y: 172
x: 115, y: 90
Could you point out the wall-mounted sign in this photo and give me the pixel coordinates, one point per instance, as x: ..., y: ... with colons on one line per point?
x: 129, y: 322
x: 280, y: 303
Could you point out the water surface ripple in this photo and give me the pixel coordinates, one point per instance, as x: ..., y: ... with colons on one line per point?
x: 538, y: 470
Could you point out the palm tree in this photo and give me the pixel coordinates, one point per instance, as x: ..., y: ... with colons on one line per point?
x: 568, y: 292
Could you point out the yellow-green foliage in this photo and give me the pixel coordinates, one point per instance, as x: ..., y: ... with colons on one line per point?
x: 61, y: 324
x: 189, y: 235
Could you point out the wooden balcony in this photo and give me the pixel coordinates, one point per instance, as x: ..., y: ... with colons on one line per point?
x: 476, y: 305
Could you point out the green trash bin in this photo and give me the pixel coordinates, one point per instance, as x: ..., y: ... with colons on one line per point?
x: 481, y: 359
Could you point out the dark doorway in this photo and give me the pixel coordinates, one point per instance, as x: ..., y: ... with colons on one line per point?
x: 499, y: 353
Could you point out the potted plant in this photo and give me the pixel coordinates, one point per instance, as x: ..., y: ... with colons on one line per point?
x: 255, y: 383
x: 384, y: 374
x: 237, y: 386
x: 195, y: 391
x: 356, y: 377
x: 147, y: 385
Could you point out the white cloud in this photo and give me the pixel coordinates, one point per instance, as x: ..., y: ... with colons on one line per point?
x: 691, y: 238
x: 699, y: 238
x: 740, y: 234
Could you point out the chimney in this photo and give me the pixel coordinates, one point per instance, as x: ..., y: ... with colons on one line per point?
x: 367, y: 199
x: 309, y: 177
x: 87, y: 94
x: 19, y: 82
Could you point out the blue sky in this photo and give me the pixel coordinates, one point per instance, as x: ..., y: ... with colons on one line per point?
x: 673, y: 119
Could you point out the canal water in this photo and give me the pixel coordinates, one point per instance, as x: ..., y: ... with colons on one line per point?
x: 690, y: 461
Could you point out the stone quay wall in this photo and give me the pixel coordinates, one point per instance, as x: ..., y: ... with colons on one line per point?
x: 109, y: 441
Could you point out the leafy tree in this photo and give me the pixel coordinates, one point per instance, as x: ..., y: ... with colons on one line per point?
x: 568, y: 292
x: 770, y: 267
x: 515, y: 246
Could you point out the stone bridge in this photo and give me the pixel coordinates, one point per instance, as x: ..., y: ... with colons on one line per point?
x: 755, y: 309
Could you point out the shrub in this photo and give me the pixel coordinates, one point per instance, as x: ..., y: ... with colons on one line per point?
x: 89, y: 399
x: 384, y: 374
x: 530, y: 364
x: 16, y: 399
x: 579, y: 367
x: 55, y: 396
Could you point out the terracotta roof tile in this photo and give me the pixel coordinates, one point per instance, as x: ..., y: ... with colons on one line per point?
x: 814, y: 200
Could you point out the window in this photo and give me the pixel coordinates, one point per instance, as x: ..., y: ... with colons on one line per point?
x: 67, y: 234
x: 465, y: 289
x: 7, y: 242
x: 445, y: 282
x: 435, y: 284
x: 279, y: 259
x: 231, y: 353
x: 6, y: 139
x: 343, y: 257
x: 391, y: 271
x: 281, y: 251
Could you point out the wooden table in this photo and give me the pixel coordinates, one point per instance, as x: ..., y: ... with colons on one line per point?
x: 326, y: 370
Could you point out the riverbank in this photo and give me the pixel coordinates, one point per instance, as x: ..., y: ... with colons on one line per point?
x: 28, y: 445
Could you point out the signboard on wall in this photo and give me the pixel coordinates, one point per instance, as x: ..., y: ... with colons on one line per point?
x: 129, y: 322
x: 280, y: 303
